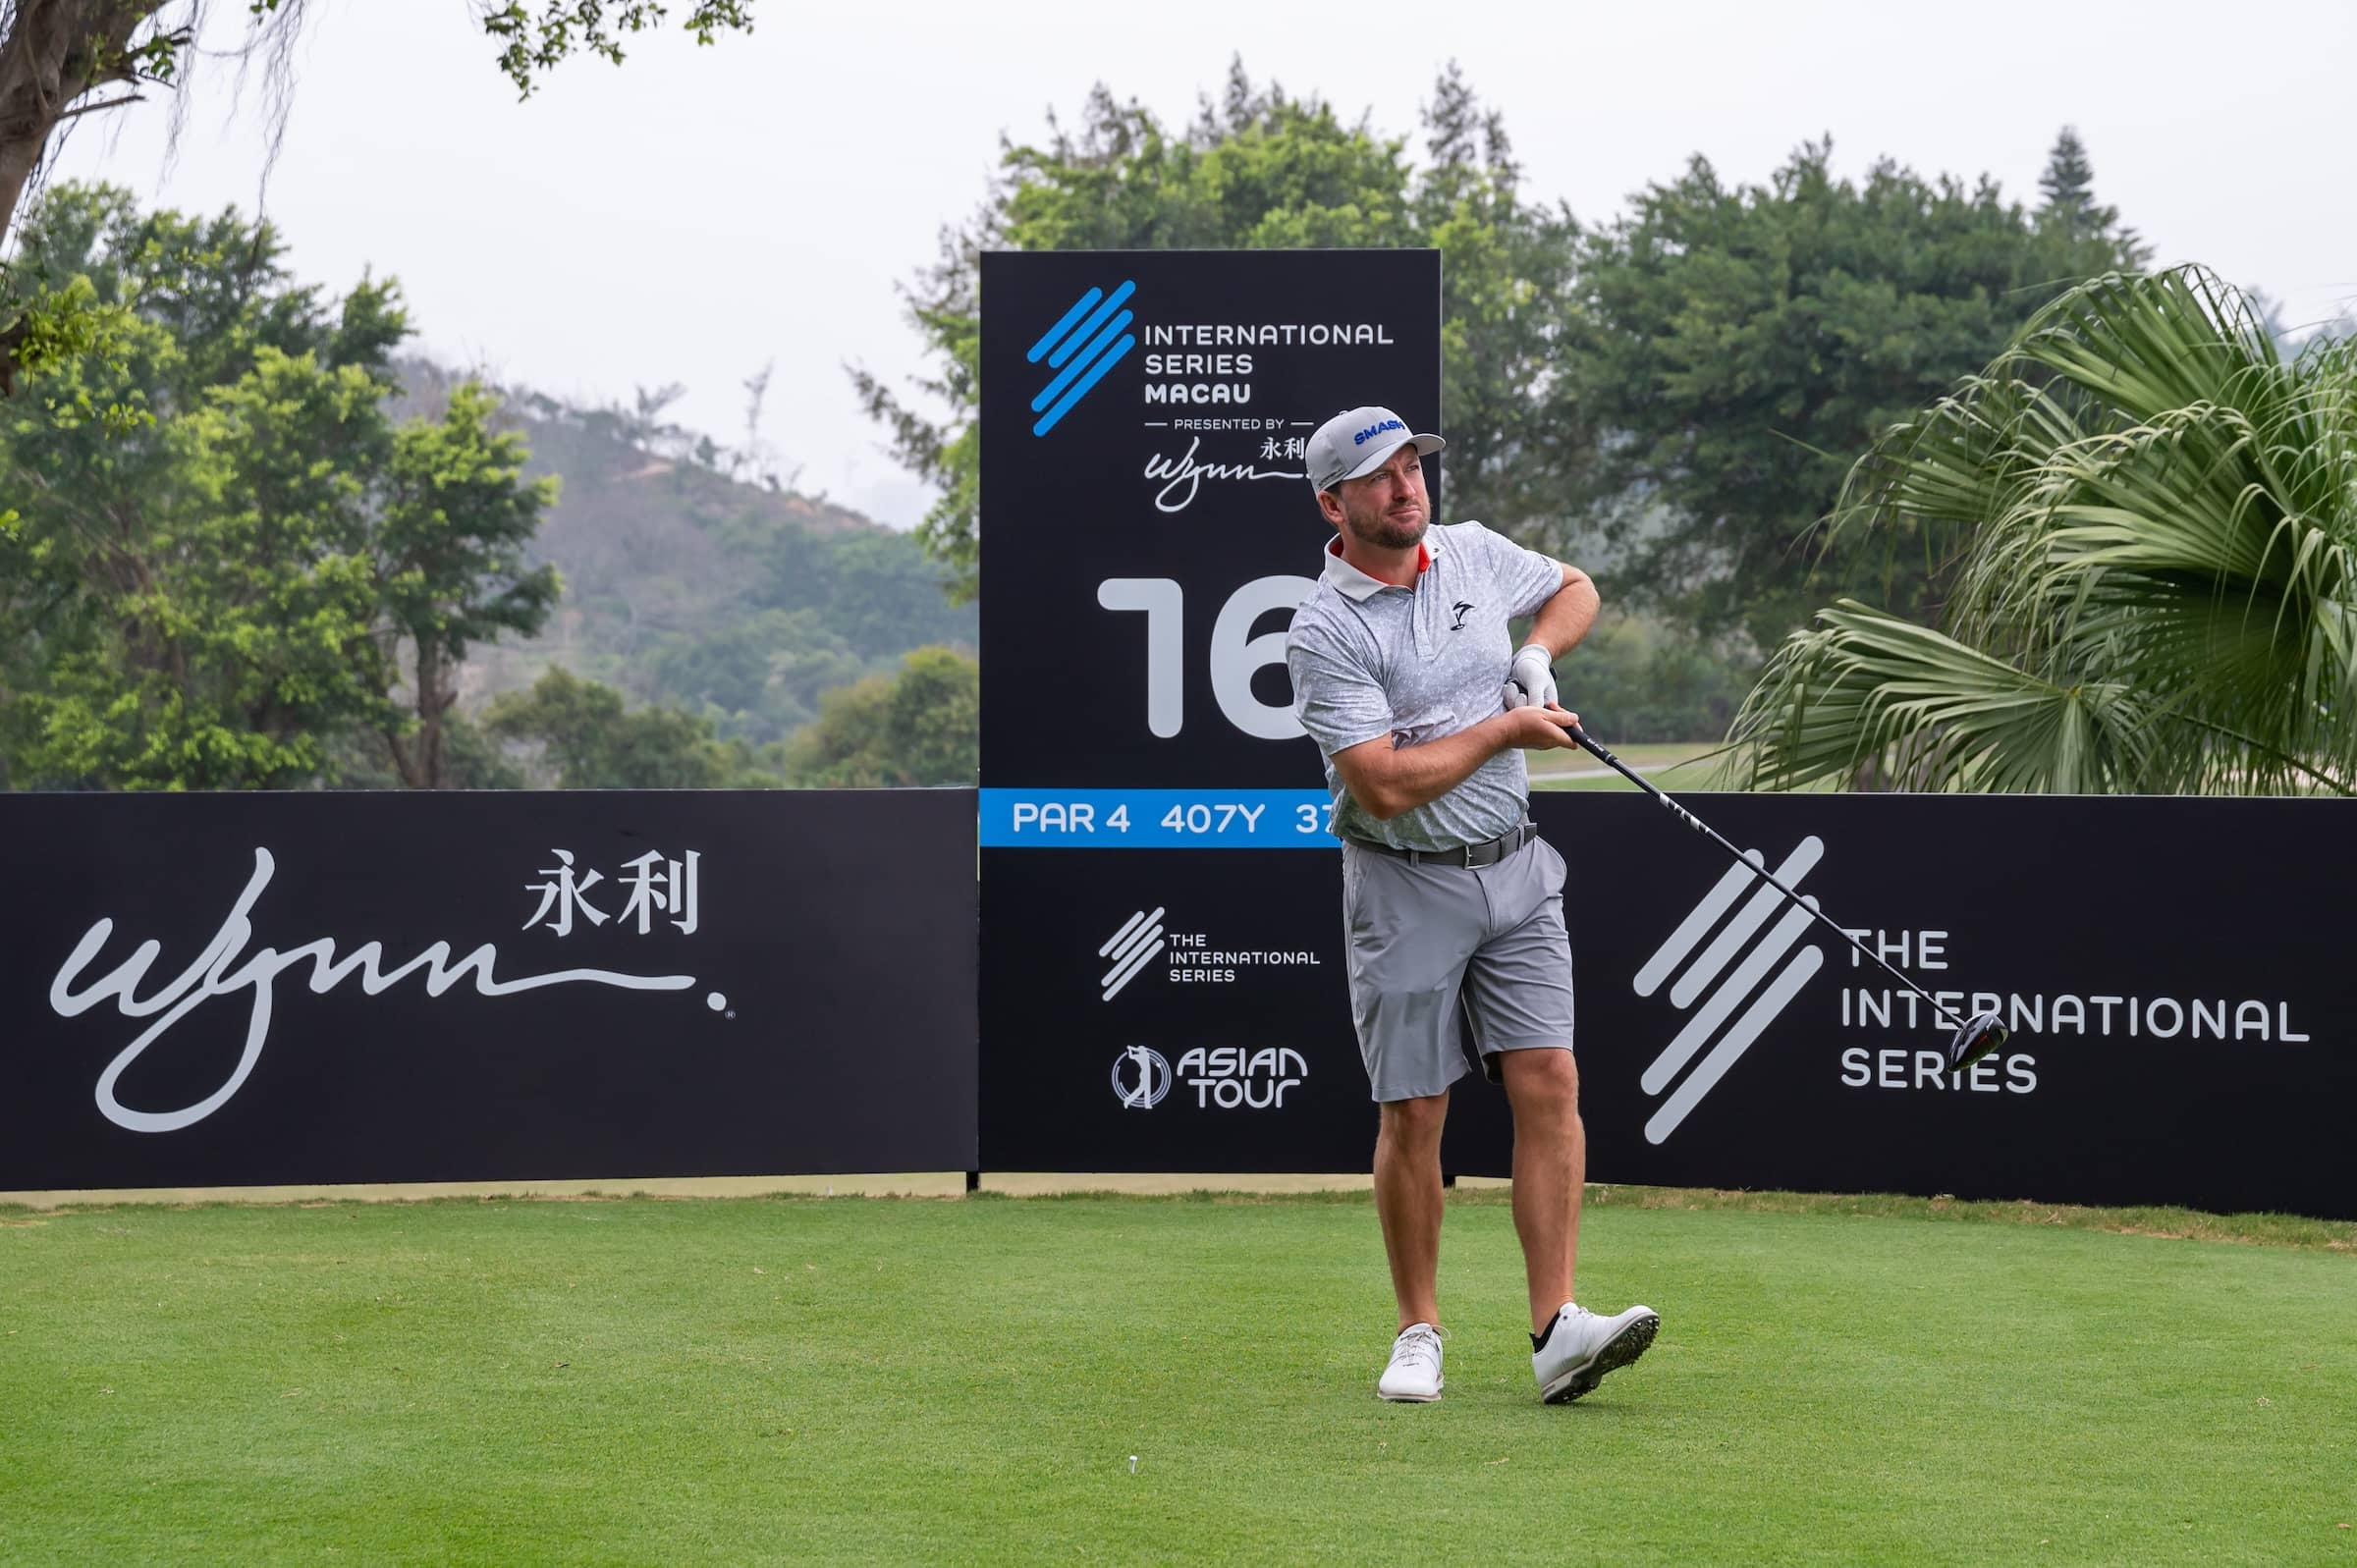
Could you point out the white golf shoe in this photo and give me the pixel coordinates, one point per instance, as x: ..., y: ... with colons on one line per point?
x: 1414, y: 1373
x: 1580, y: 1347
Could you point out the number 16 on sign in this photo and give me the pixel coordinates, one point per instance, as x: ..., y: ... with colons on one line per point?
x: 1236, y: 654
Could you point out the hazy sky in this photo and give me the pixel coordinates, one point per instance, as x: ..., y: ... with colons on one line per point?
x: 701, y: 211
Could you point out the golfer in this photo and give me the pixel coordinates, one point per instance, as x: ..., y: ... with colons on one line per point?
x: 1404, y: 675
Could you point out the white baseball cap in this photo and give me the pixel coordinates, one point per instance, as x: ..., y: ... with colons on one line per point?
x: 1359, y: 441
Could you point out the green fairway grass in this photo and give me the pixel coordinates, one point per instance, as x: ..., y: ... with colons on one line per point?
x: 932, y: 1382
x: 1673, y: 767
x: 1668, y: 764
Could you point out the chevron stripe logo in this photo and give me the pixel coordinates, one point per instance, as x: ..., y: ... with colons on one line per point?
x: 1131, y: 948
x: 1735, y: 1006
x: 1088, y: 340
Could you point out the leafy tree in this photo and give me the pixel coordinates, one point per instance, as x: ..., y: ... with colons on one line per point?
x: 727, y: 672
x: 1637, y: 677
x: 1262, y: 169
x: 225, y: 626
x: 202, y: 595
x: 921, y: 726
x: 470, y: 760
x: 63, y: 59
x: 450, y: 547
x: 874, y: 591
x: 758, y: 675
x: 1507, y: 281
x: 535, y: 43
x: 578, y: 734
x: 1744, y: 345
x: 2161, y: 581
x: 2082, y: 236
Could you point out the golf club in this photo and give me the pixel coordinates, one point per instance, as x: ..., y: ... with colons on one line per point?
x: 1974, y: 1037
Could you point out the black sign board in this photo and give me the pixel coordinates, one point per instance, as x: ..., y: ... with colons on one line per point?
x: 2174, y: 972
x: 1149, y: 517
x: 1151, y: 531
x: 225, y: 988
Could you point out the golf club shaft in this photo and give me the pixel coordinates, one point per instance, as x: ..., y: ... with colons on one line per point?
x: 1762, y: 872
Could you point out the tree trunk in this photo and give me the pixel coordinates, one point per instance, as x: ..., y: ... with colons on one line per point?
x: 403, y: 766
x: 54, y: 54
x: 432, y: 703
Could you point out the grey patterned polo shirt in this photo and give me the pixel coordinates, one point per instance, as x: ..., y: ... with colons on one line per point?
x: 1369, y: 658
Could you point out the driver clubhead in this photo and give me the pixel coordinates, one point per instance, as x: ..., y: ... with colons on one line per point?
x: 1982, y: 1034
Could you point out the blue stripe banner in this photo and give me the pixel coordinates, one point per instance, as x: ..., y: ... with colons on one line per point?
x: 1157, y: 819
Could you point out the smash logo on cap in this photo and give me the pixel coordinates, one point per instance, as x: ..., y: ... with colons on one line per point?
x: 1364, y: 436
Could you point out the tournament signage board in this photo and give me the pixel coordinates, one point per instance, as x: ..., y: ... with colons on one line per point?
x: 2177, y: 1037
x: 2174, y: 972
x: 212, y: 990
x: 1159, y: 891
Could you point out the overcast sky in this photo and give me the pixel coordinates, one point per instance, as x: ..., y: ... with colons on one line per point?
x: 701, y: 211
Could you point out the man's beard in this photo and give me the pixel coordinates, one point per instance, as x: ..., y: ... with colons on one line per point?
x: 1382, y: 531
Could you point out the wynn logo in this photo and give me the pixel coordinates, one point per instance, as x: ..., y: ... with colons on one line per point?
x: 1734, y: 1006
x: 224, y: 967
x: 1131, y: 948
x: 1080, y: 348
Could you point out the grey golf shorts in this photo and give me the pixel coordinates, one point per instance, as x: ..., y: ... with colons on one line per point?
x: 1427, y: 941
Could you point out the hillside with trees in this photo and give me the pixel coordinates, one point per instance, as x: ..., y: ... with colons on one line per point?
x: 696, y: 578
x: 245, y: 544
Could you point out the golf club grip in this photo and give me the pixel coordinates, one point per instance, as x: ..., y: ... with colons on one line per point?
x: 1698, y: 825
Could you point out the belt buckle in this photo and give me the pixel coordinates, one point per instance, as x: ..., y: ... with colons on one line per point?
x: 1466, y: 856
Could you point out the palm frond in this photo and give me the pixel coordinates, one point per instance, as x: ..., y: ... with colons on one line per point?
x: 2153, y: 520
x: 1864, y: 694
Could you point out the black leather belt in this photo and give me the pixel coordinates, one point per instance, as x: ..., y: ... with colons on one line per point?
x: 1470, y: 857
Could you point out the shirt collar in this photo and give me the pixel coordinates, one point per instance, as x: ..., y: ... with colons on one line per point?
x: 1355, y: 584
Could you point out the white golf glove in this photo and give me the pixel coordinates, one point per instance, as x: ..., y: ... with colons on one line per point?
x: 1530, y: 682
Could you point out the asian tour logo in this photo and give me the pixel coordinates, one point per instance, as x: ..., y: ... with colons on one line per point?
x: 1141, y: 1076
x: 1223, y: 1077
x: 1734, y: 1006
x: 1089, y: 339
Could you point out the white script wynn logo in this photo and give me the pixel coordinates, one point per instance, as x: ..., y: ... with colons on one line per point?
x: 1152, y: 1071
x: 210, y: 974
x: 1724, y: 998
x: 1182, y: 476
x: 1131, y: 948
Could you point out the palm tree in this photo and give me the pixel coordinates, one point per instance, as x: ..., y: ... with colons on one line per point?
x: 2150, y: 520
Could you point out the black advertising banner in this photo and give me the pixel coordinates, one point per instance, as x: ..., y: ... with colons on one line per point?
x: 2175, y: 973
x: 225, y: 990
x: 1158, y: 1010
x: 1153, y: 829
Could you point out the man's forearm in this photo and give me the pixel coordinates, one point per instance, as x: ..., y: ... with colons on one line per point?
x: 1401, y: 780
x: 1565, y: 618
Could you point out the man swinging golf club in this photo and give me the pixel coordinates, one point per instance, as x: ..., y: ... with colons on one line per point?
x: 1404, y: 675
